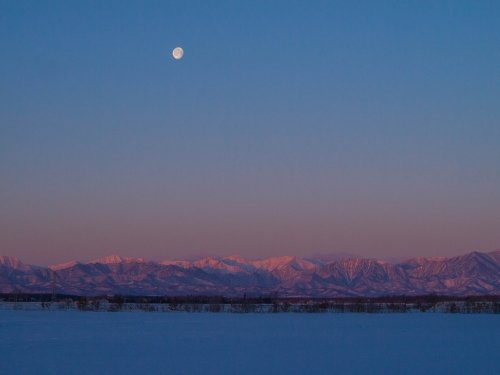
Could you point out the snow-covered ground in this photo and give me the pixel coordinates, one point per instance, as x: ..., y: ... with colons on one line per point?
x: 72, y: 342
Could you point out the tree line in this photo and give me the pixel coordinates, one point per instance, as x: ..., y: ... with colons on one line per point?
x: 262, y: 304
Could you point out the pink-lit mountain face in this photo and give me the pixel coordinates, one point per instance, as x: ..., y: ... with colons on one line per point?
x: 471, y: 274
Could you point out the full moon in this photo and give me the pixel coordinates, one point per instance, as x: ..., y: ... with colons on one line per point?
x: 177, y: 53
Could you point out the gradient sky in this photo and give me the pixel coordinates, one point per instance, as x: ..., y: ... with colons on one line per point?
x: 289, y: 127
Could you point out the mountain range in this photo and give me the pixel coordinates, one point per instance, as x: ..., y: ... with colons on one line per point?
x: 474, y: 273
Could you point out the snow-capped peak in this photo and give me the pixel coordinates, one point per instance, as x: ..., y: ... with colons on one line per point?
x: 114, y: 259
x: 282, y: 261
x: 178, y: 263
x: 63, y: 266
x: 237, y: 259
x: 11, y: 262
x: 227, y: 264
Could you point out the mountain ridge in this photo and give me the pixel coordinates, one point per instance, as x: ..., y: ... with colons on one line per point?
x: 473, y: 273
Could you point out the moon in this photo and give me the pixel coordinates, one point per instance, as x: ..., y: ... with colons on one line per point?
x: 177, y: 53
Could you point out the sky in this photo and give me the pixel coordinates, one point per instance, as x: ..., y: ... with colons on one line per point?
x: 288, y: 128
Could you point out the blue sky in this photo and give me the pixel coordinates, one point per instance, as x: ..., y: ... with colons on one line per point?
x: 287, y: 128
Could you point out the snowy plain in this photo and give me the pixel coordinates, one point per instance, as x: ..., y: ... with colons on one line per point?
x: 72, y: 342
